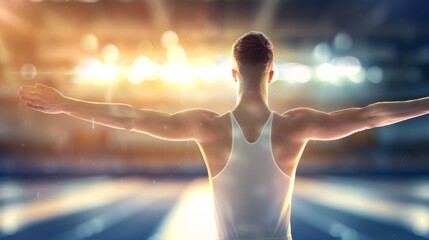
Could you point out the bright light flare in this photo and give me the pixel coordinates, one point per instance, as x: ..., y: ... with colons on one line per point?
x: 92, y: 69
x: 155, y: 72
x: 89, y: 69
x: 169, y: 39
x: 178, y: 72
x: 359, y: 77
x: 296, y: 73
x: 192, y: 217
x: 176, y: 54
x: 141, y: 68
x: 110, y: 53
x: 327, y: 72
x: 225, y: 70
x: 110, y: 72
x: 208, y: 73
x: 349, y: 66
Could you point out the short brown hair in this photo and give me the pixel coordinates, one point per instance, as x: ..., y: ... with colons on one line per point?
x: 253, y: 53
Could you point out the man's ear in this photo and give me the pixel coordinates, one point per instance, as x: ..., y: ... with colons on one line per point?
x: 234, y: 74
x: 270, y: 76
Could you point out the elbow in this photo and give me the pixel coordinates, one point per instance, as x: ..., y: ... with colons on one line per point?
x: 369, y: 123
x: 370, y: 118
x: 128, y: 122
x: 128, y: 126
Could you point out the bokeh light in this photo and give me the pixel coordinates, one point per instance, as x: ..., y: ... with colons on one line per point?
x: 374, y: 74
x: 28, y: 71
x: 89, y: 69
x: 322, y: 52
x: 295, y: 73
x: 208, y: 73
x: 142, y: 66
x: 109, y: 72
x: 178, y: 73
x: 327, y: 72
x: 110, y: 53
x: 89, y: 42
x: 176, y: 54
x: 169, y: 39
x: 343, y: 42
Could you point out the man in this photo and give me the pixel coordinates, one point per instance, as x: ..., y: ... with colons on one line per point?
x: 251, y: 153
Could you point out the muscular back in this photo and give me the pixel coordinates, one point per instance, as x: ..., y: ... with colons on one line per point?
x: 287, y: 149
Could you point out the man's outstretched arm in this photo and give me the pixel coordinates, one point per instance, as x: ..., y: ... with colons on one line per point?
x: 319, y: 125
x: 186, y: 125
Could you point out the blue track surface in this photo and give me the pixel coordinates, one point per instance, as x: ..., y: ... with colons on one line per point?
x: 324, y: 208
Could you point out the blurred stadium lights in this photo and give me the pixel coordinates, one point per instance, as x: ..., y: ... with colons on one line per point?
x: 89, y: 42
x: 375, y: 74
x: 178, y: 69
x: 110, y: 53
x: 175, y: 67
x: 109, y: 72
x: 327, y: 72
x: 295, y: 72
x: 322, y: 52
x: 142, y: 66
x: 169, y: 39
x: 343, y: 42
x: 28, y: 71
x: 178, y: 72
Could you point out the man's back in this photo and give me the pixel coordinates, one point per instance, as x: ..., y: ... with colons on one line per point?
x: 286, y: 149
x: 251, y: 195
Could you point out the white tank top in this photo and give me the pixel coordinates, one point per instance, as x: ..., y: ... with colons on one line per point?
x: 252, y: 195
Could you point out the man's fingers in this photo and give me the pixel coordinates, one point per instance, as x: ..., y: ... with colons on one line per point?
x: 42, y: 86
x: 32, y: 101
x: 29, y: 95
x: 34, y: 106
x: 27, y: 89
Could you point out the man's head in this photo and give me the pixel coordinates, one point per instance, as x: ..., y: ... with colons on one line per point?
x: 253, y: 59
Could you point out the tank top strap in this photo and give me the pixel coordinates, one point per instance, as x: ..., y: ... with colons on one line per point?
x: 266, y: 131
x: 238, y: 131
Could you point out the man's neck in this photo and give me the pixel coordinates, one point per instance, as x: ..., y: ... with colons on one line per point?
x: 252, y: 100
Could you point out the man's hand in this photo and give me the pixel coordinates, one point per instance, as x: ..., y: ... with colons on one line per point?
x: 43, y: 98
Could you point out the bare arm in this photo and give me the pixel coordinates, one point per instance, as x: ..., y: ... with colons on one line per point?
x: 186, y: 125
x: 318, y: 125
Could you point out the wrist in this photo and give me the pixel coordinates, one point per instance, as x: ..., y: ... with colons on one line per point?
x: 68, y: 105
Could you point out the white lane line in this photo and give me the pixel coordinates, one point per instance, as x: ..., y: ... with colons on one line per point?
x: 15, y: 217
x: 13, y: 190
x: 150, y: 195
x: 327, y: 224
x: 362, y: 202
x: 417, y: 188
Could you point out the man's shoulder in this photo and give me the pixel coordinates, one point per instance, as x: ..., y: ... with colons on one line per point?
x: 204, y: 117
x: 295, y: 122
x: 202, y: 113
x: 299, y: 113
